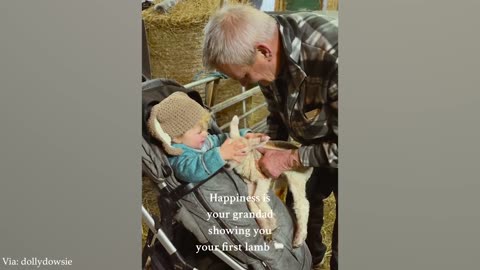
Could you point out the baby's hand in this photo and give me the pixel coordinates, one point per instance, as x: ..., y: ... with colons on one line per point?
x: 263, y: 137
x: 233, y: 150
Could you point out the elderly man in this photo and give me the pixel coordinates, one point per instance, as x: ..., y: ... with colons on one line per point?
x: 294, y: 59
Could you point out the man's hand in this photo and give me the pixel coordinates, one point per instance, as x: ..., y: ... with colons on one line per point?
x: 275, y: 162
x: 261, y: 136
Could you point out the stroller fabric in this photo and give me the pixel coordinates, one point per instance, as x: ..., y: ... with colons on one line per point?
x: 214, y: 210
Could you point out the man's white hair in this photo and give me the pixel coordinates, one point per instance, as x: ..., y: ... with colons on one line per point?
x: 232, y: 33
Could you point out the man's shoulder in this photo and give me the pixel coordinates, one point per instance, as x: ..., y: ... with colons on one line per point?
x: 301, y: 21
x: 311, y: 28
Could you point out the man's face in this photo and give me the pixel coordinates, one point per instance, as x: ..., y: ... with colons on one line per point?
x: 262, y: 71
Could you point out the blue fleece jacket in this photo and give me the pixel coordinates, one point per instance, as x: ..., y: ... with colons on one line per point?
x: 196, y: 165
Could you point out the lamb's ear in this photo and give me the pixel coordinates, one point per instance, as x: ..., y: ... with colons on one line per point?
x: 157, y: 132
x: 234, y: 132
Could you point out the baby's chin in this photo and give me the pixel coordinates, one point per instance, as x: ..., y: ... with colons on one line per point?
x: 197, y: 146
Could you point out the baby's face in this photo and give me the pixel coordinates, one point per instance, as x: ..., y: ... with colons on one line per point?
x: 194, y: 137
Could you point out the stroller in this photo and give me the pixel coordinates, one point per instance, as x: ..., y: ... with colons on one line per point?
x: 173, y: 240
x: 159, y: 246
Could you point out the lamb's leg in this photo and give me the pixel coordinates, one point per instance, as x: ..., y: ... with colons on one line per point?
x: 254, y: 188
x: 263, y: 186
x: 263, y: 223
x: 296, y: 183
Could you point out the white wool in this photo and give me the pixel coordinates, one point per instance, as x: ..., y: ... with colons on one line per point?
x: 258, y: 185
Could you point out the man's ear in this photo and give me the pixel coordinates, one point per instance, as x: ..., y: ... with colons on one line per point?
x: 265, y: 50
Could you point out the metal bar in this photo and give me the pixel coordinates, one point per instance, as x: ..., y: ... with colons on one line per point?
x: 258, y: 126
x: 227, y: 259
x: 245, y: 114
x: 229, y: 102
x: 160, y: 235
x: 201, y: 81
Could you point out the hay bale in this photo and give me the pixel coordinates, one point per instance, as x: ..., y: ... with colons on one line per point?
x: 329, y: 216
x: 175, y: 41
x: 175, y: 38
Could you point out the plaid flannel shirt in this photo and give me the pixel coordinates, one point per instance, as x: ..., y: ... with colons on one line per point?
x: 303, y: 100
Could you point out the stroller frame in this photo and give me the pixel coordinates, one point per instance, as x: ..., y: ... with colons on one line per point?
x: 159, y: 242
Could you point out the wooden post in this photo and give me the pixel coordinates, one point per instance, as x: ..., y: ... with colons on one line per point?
x: 211, y: 92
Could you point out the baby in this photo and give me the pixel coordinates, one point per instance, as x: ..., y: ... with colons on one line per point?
x: 180, y: 123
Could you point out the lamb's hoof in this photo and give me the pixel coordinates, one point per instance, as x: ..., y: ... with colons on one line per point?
x: 299, y: 239
x: 268, y: 237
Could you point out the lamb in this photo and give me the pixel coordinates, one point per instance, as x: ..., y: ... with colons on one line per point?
x: 258, y: 185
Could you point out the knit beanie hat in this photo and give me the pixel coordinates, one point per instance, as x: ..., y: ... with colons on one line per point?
x: 172, y: 117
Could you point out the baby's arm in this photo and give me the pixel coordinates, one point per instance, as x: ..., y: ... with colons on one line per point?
x: 218, y: 139
x: 196, y: 167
